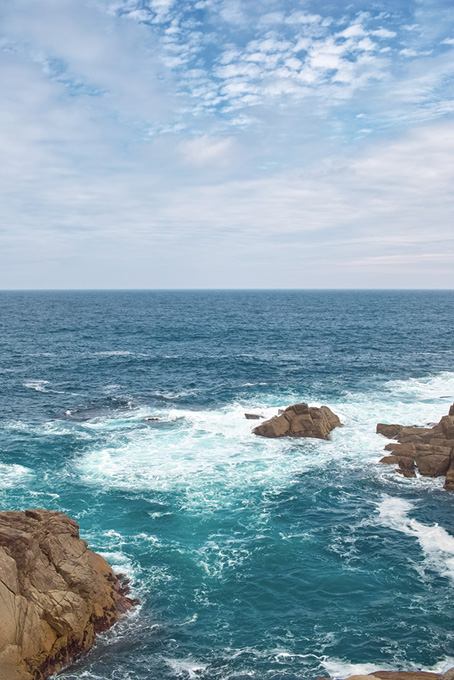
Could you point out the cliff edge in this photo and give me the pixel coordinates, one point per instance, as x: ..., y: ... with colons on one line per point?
x: 55, y: 594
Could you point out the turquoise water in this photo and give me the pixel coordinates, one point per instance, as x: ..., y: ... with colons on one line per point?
x: 251, y: 557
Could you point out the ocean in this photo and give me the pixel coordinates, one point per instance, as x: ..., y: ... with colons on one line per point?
x: 251, y: 557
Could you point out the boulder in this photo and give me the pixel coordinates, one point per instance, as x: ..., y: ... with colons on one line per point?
x: 300, y: 420
x: 253, y: 416
x: 429, y: 449
x: 55, y: 594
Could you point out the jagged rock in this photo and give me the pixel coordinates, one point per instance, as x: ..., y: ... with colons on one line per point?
x: 431, y: 449
x: 55, y: 594
x: 300, y: 420
x: 253, y: 416
x: 451, y: 410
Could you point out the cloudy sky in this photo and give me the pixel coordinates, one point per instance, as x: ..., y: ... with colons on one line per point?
x: 226, y: 144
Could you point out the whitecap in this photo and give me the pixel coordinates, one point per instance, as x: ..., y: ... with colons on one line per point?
x: 37, y: 385
x: 339, y: 669
x: 436, y: 543
x: 14, y: 475
x: 187, y: 667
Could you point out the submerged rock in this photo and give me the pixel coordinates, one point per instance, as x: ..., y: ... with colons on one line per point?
x: 300, y: 420
x: 55, y: 594
x: 253, y: 416
x: 429, y: 449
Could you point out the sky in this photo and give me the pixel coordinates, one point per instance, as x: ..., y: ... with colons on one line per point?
x: 226, y: 144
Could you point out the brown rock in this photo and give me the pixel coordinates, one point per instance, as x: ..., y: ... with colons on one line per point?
x: 407, y: 466
x: 55, y: 594
x: 432, y: 461
x: 403, y: 675
x: 445, y: 427
x: 390, y: 431
x: 449, y: 484
x: 391, y: 446
x: 431, y: 449
x: 407, y: 675
x: 389, y: 460
x: 300, y: 420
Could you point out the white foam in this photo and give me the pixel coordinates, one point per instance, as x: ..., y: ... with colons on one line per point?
x: 436, y: 543
x: 211, y: 455
x: 114, y: 353
x: 188, y: 667
x: 14, y: 475
x: 339, y: 669
x: 37, y: 385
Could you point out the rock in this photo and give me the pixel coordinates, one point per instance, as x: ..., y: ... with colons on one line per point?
x: 55, y: 594
x: 253, y: 416
x: 152, y: 418
x: 390, y: 431
x: 300, y: 420
x: 432, y: 461
x: 445, y: 427
x: 430, y: 449
x: 449, y: 484
x: 451, y: 410
x: 389, y: 460
x: 402, y: 675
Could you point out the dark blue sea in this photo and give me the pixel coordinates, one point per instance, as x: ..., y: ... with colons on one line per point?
x: 252, y: 558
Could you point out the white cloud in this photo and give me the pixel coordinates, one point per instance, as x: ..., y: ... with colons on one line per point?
x: 384, y: 33
x: 206, y: 151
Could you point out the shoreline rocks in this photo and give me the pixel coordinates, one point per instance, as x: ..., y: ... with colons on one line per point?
x: 55, y: 594
x: 430, y: 450
x: 403, y: 675
x: 300, y: 420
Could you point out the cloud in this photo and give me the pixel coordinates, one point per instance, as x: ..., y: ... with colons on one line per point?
x: 206, y: 151
x: 201, y: 143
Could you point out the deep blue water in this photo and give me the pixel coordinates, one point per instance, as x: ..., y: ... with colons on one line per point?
x: 252, y: 558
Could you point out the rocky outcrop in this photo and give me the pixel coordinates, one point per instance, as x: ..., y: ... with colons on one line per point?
x: 55, y: 594
x: 300, y: 420
x: 253, y: 416
x: 430, y: 450
x: 403, y: 675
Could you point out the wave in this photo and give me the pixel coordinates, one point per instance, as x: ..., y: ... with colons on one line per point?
x: 436, y: 543
x: 14, y: 475
x: 37, y: 385
x: 339, y: 669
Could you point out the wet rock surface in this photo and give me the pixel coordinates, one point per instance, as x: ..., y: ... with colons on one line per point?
x: 429, y: 450
x: 55, y: 594
x: 300, y: 420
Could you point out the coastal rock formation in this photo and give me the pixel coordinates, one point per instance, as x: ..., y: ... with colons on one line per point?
x: 403, y: 675
x: 428, y: 449
x: 55, y: 594
x: 300, y: 420
x: 253, y: 416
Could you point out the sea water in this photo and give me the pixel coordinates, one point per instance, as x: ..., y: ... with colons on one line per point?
x: 251, y: 557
